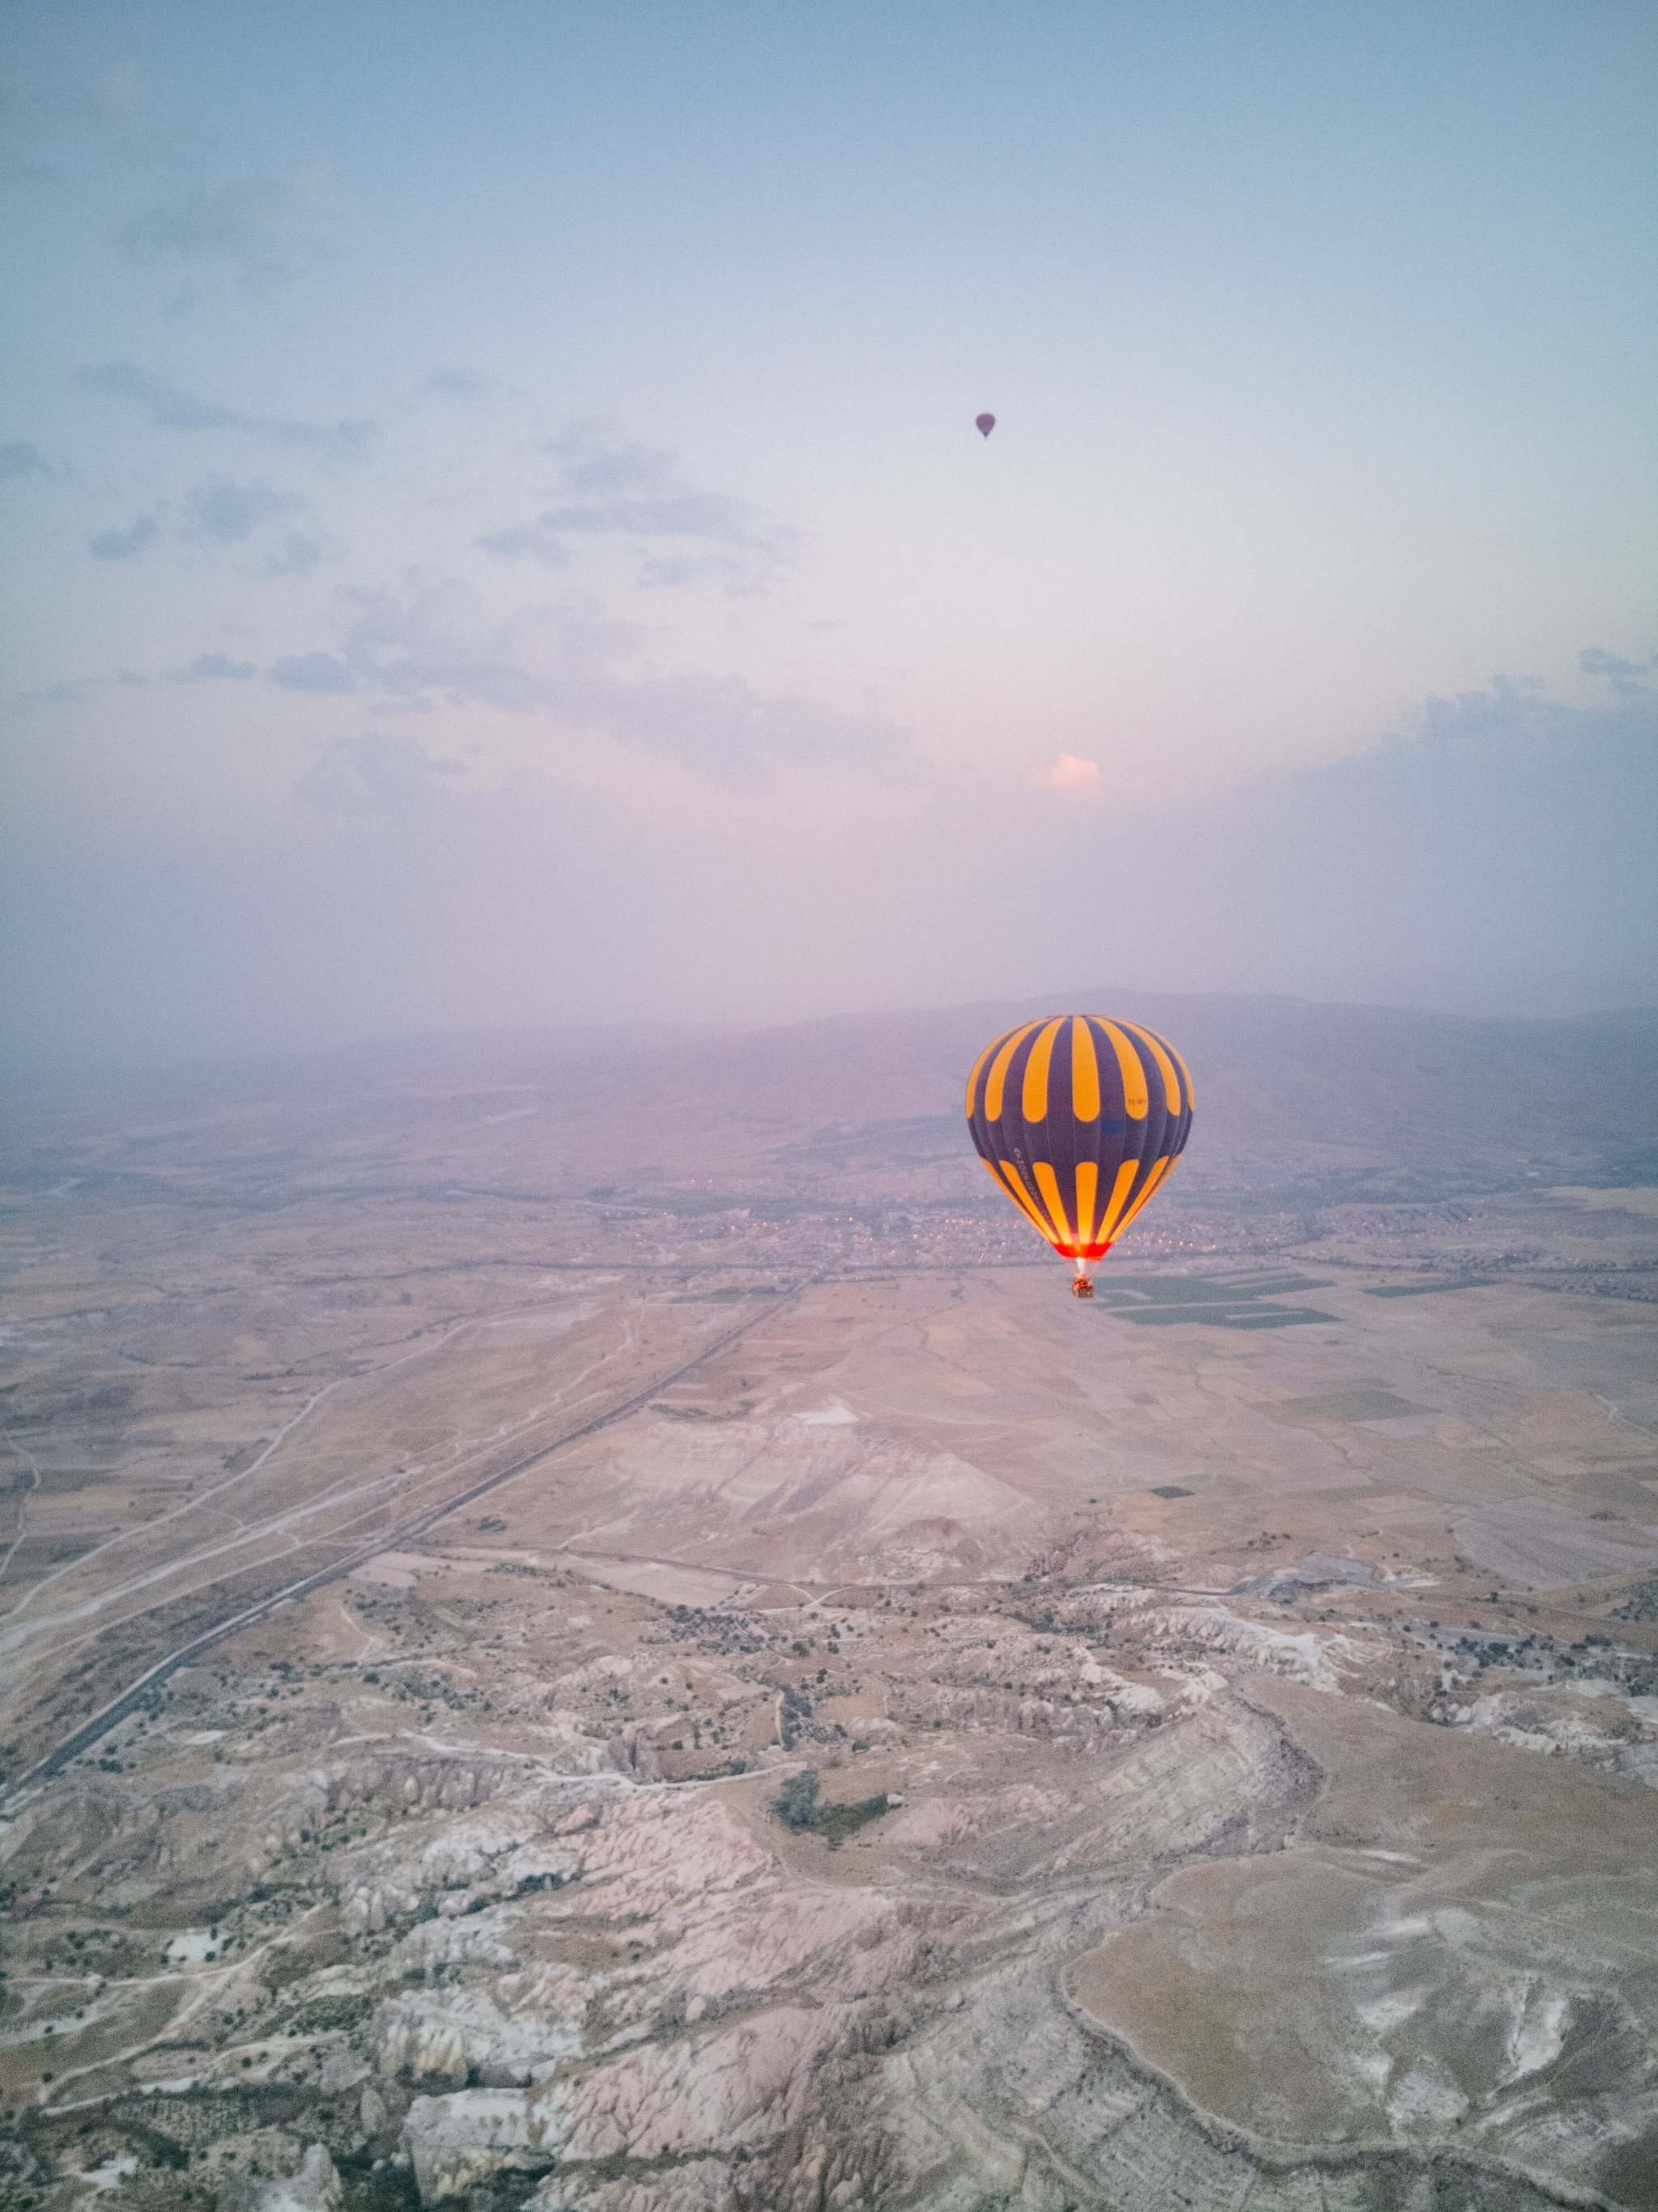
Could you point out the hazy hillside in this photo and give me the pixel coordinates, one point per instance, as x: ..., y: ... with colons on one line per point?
x: 1294, y: 1098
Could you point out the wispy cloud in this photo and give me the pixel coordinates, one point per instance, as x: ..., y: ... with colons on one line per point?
x: 539, y: 540
x: 218, y: 516
x: 620, y: 488
x: 123, y: 544
x: 21, y: 457
x: 1624, y: 676
x: 221, y: 512
x: 170, y: 407
x: 297, y: 557
x: 217, y: 668
x: 372, y: 774
x: 173, y: 196
x: 257, y: 227
x: 457, y: 383
x: 312, y: 671
x: 579, y: 664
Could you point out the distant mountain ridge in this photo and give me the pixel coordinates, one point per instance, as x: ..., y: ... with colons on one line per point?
x: 1291, y: 1095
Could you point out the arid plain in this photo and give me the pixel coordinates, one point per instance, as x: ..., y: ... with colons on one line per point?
x: 584, y: 1622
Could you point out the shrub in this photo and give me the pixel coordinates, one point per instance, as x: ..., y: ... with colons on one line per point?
x: 796, y: 1802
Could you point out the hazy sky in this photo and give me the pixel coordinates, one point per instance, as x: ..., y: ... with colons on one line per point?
x: 494, y: 531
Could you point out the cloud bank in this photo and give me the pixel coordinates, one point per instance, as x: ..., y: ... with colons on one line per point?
x: 1500, y: 856
x: 170, y: 407
x: 681, y: 533
x: 425, y: 642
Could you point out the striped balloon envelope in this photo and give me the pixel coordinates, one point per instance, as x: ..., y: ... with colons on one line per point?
x: 1079, y: 1121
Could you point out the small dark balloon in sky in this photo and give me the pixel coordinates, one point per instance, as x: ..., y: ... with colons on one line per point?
x: 984, y: 424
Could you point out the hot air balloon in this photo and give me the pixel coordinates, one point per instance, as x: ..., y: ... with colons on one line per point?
x: 984, y: 424
x: 1079, y: 1121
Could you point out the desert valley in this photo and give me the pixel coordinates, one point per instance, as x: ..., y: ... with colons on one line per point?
x: 586, y: 1623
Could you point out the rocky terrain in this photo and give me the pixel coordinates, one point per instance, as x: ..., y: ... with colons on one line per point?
x: 584, y: 1681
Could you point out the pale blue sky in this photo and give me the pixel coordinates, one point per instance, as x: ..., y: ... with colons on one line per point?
x: 438, y: 438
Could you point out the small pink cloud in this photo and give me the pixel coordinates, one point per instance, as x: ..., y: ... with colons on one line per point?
x: 1072, y: 773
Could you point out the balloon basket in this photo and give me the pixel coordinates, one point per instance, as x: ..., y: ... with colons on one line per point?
x: 1081, y: 1287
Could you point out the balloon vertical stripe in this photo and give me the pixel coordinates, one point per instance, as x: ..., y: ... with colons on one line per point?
x: 1088, y: 1186
x: 1048, y: 1183
x: 1165, y: 1065
x: 999, y: 1068
x: 1033, y: 1099
x: 1084, y: 1071
x: 1135, y: 1094
x: 1022, y: 1197
x: 1113, y: 1216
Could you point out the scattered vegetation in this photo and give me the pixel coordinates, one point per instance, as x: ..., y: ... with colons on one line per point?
x: 1641, y: 1603
x: 797, y: 1806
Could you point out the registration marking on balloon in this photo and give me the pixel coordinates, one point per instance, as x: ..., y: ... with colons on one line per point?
x: 1072, y: 1110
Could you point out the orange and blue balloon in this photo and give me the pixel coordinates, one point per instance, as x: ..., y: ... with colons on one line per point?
x: 1079, y: 1121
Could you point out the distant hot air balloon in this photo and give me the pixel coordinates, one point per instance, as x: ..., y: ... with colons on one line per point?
x: 1079, y: 1121
x: 984, y: 424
